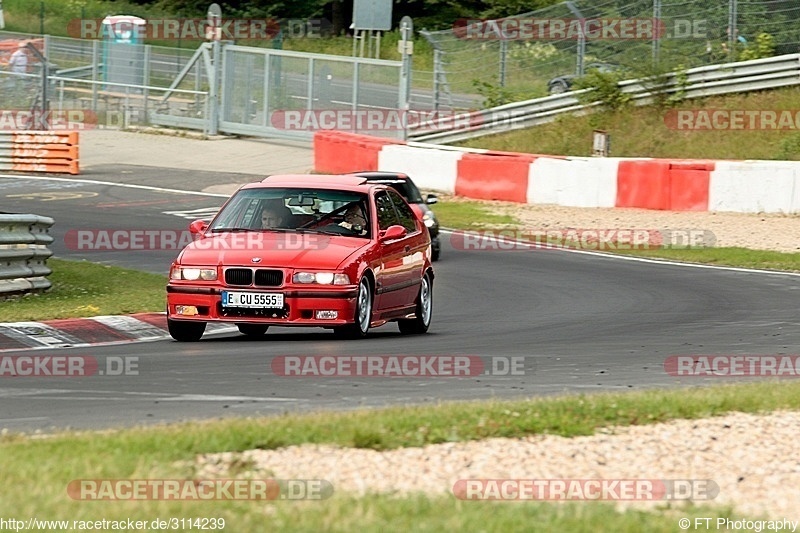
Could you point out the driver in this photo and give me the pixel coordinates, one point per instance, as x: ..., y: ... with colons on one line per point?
x: 355, y: 220
x: 275, y: 215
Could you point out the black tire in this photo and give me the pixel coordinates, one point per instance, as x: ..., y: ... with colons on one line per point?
x: 363, y: 314
x: 253, y: 330
x: 559, y: 87
x: 436, y: 250
x: 186, y: 331
x: 424, y: 311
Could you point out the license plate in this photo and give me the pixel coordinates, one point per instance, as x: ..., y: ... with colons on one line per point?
x: 252, y: 300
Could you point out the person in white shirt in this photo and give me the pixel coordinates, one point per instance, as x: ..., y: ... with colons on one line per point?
x: 18, y: 65
x: 19, y: 60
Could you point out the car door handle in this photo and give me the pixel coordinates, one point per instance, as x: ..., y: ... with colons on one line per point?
x: 408, y: 248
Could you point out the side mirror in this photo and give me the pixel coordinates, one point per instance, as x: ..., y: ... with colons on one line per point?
x: 198, y: 226
x: 431, y: 199
x: 393, y: 232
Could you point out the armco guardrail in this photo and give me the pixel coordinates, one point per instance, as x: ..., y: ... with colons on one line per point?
x: 24, y: 253
x: 758, y: 74
x: 50, y: 151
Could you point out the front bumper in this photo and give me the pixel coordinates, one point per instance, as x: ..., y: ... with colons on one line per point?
x: 299, y: 309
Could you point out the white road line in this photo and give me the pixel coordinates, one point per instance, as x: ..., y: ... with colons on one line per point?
x: 126, y: 185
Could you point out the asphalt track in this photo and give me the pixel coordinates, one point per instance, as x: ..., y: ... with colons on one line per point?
x: 582, y: 322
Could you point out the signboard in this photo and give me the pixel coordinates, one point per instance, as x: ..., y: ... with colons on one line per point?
x: 600, y: 143
x: 372, y: 15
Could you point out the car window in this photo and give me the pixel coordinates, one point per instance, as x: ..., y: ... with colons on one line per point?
x: 386, y: 212
x: 406, y: 188
x: 407, y: 218
x: 294, y: 209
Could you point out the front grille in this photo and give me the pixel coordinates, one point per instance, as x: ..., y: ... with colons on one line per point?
x: 239, y: 276
x: 269, y: 278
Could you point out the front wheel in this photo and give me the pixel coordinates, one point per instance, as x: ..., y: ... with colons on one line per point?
x: 420, y: 323
x: 363, y: 314
x: 185, y: 331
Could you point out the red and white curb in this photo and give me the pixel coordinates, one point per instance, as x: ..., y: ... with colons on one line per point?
x: 94, y: 331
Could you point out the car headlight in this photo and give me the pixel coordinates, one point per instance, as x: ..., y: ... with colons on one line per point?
x: 193, y: 273
x: 429, y: 219
x: 321, y: 278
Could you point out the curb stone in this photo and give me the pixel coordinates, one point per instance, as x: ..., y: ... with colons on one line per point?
x: 93, y: 331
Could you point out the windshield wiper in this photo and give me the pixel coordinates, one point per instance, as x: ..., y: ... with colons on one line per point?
x: 232, y: 230
x: 322, y: 232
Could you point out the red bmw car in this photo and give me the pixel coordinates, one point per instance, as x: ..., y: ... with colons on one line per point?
x: 303, y: 250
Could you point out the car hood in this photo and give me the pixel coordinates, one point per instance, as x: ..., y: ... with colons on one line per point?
x: 274, y: 249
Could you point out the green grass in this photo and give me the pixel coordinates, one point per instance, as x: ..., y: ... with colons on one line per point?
x: 470, y: 215
x: 643, y: 132
x: 82, y: 288
x: 37, y: 470
x: 737, y: 257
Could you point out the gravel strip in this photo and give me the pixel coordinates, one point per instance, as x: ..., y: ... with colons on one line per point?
x: 755, y: 460
x: 757, y: 231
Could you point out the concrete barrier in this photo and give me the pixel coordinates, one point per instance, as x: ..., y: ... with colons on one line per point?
x: 645, y: 183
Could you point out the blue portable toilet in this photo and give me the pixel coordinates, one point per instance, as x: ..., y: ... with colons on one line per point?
x: 123, y: 50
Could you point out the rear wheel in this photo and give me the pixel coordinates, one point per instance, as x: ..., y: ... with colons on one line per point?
x: 363, y: 314
x: 252, y: 330
x: 185, y: 331
x: 424, y: 311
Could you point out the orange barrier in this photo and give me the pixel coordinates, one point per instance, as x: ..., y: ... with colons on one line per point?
x: 494, y: 176
x: 54, y: 152
x: 643, y: 183
x: 689, y: 184
x: 336, y: 152
x: 664, y: 184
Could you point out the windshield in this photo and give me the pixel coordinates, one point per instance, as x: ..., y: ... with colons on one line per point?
x: 295, y: 210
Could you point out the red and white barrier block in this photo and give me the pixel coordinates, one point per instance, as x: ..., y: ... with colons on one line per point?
x: 662, y: 184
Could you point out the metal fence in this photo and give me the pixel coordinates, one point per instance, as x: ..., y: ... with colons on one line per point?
x: 24, y: 253
x: 218, y: 88
x: 759, y: 74
x: 508, y: 67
